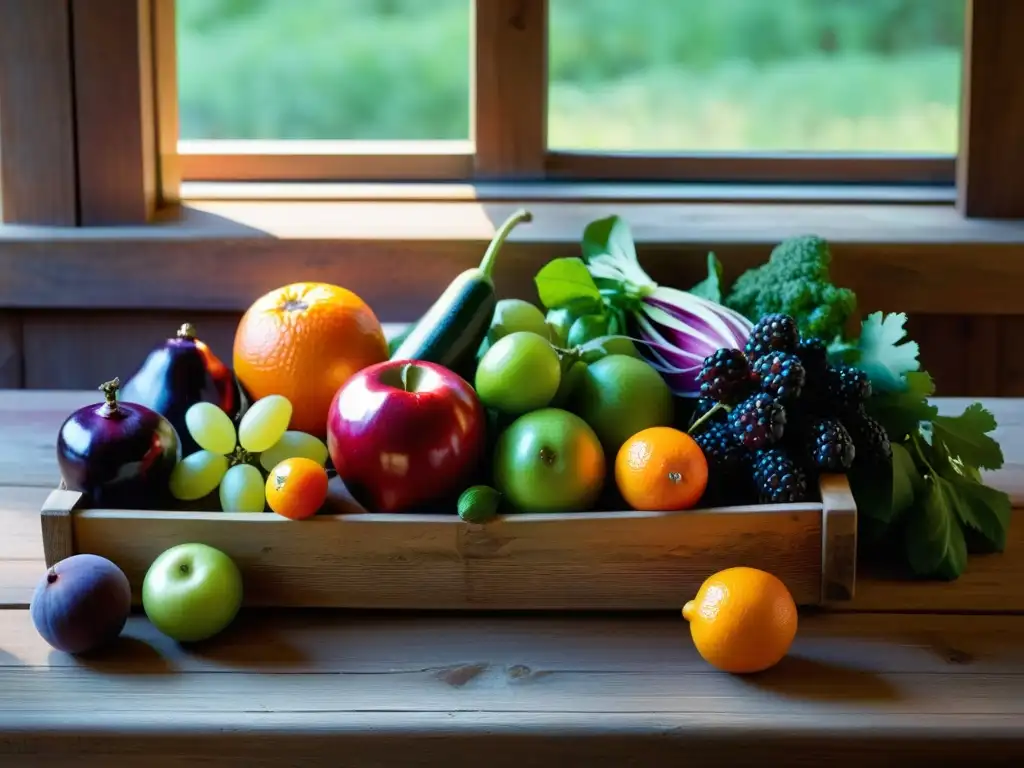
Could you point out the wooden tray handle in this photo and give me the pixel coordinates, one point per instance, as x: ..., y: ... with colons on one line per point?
x: 58, y: 532
x: 838, y: 539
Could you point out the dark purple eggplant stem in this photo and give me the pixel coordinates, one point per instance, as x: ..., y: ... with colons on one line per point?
x: 187, y: 331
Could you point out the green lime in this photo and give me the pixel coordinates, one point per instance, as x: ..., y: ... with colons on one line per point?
x: 559, y: 321
x: 520, y: 373
x: 514, y: 315
x: 619, y: 396
x: 586, y: 328
x: 571, y: 378
x: 479, y: 504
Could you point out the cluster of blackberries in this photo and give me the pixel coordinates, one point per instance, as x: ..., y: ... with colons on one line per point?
x: 789, y: 415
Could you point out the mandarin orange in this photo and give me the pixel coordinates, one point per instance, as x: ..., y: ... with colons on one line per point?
x: 297, y: 488
x: 742, y: 620
x: 304, y: 341
x: 661, y: 469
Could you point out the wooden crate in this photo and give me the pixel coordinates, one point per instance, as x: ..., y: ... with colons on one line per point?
x: 579, y: 561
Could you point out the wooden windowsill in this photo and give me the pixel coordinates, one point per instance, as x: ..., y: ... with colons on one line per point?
x: 220, y: 254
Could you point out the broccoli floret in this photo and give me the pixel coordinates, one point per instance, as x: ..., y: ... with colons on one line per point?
x: 796, y: 282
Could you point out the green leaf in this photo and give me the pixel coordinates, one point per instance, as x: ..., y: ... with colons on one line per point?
x: 610, y: 236
x: 907, y: 481
x: 564, y: 281
x: 985, y: 510
x: 885, y: 493
x: 710, y: 287
x: 965, y: 437
x: 901, y: 413
x: 882, y: 355
x: 935, y: 543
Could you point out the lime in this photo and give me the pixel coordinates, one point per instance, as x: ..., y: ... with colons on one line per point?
x: 621, y: 395
x: 520, y: 373
x: 514, y: 315
x: 603, y: 346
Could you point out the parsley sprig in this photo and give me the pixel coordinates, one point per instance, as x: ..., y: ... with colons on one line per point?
x: 932, y: 495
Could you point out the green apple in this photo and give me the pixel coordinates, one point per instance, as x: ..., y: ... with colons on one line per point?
x: 520, y: 373
x: 549, y: 461
x: 191, y: 592
x: 621, y: 395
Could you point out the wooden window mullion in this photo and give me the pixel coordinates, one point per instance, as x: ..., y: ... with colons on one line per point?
x: 37, y: 139
x: 990, y: 167
x: 510, y: 87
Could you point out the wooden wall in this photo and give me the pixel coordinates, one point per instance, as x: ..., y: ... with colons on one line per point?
x: 975, y: 355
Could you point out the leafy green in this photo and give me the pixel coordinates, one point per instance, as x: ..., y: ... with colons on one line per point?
x: 564, y: 281
x: 884, y: 353
x: 610, y: 236
x: 796, y: 281
x: 965, y: 438
x: 935, y: 543
x: 901, y: 412
x: 710, y: 287
x: 907, y: 482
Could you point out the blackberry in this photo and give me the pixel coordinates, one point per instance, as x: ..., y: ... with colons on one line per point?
x: 780, y: 374
x: 759, y: 421
x: 870, y: 439
x: 832, y: 448
x: 728, y: 468
x: 726, y: 376
x: 778, y: 478
x: 846, y: 388
x: 772, y: 333
x: 814, y: 355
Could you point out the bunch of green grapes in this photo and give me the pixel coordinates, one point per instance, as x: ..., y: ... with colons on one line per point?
x: 224, y: 456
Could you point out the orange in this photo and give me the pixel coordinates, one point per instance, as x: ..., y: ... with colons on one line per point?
x: 304, y: 341
x: 742, y: 620
x: 297, y: 488
x: 661, y: 469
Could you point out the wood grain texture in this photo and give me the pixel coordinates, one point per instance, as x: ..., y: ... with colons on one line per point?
x: 80, y: 350
x: 838, y: 540
x: 56, y: 525
x: 303, y: 688
x: 737, y: 168
x: 165, y: 85
x: 12, y: 369
x: 37, y: 136
x: 990, y: 181
x: 510, y: 87
x: 925, y: 259
x: 584, y: 561
x: 115, y: 111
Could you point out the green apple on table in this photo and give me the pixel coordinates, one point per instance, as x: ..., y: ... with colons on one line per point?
x: 549, y: 460
x: 192, y: 592
x: 520, y: 373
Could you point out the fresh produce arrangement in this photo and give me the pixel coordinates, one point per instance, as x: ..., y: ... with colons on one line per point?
x: 610, y: 392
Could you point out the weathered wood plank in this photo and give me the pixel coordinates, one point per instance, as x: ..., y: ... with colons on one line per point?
x: 37, y: 133
x: 81, y: 350
x: 12, y: 369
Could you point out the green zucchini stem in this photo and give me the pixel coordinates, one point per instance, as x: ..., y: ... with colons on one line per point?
x: 520, y: 216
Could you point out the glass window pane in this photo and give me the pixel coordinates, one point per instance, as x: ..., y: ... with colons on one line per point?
x: 323, y: 69
x: 756, y: 75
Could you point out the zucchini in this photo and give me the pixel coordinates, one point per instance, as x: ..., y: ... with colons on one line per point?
x: 451, y: 331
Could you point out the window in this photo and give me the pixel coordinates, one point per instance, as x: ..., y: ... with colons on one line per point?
x: 859, y: 93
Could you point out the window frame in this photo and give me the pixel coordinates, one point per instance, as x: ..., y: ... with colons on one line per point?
x: 127, y: 165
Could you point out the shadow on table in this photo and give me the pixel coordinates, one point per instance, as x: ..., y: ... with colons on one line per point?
x: 798, y: 677
x: 127, y: 655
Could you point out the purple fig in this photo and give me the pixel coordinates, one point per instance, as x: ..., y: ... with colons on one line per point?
x: 81, y: 603
x: 120, y: 454
x: 180, y: 372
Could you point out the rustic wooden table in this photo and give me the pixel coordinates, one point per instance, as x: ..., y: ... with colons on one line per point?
x: 916, y: 672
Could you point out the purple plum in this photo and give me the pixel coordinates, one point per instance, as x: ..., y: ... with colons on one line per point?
x: 81, y: 603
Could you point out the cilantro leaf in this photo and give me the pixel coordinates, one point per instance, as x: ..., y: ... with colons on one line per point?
x: 985, y: 510
x: 935, y: 543
x: 965, y: 437
x: 885, y: 494
x: 710, y: 287
x: 882, y: 355
x: 563, y: 281
x: 901, y: 412
x: 610, y: 235
x: 907, y: 481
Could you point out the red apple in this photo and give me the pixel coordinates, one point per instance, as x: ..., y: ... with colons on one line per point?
x: 403, y: 433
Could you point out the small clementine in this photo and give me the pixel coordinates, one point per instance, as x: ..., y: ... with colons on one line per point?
x: 304, y: 341
x: 297, y: 488
x: 742, y: 620
x: 661, y: 469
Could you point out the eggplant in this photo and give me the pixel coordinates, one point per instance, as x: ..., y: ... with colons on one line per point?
x: 120, y: 454
x: 180, y: 372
